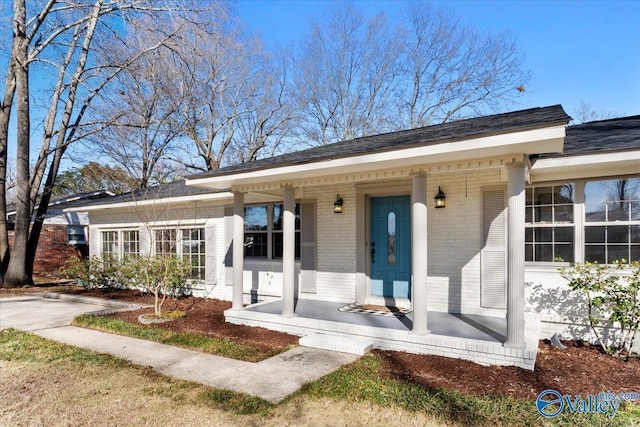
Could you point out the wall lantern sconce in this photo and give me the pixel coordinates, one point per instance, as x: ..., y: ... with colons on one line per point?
x: 337, y: 205
x: 440, y: 198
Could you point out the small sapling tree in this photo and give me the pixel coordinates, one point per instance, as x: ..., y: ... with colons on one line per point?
x: 161, y: 275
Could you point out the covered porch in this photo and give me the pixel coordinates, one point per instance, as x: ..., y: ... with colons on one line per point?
x: 353, y: 270
x: 467, y: 259
x: 477, y: 338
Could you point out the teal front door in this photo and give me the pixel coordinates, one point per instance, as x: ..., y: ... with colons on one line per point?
x: 390, y: 246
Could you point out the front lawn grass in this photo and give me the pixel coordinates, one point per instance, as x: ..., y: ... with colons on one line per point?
x: 97, y: 376
x: 217, y: 346
x: 362, y: 381
x: 357, y: 392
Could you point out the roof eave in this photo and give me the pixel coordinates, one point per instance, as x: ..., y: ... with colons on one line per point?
x: 595, y: 164
x: 220, y: 196
x: 548, y: 139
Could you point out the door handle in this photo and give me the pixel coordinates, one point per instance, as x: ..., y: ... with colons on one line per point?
x: 373, y: 252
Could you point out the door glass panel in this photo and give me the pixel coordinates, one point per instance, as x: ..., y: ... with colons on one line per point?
x: 391, y: 238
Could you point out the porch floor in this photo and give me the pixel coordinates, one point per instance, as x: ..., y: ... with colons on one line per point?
x: 476, y: 327
x: 472, y: 337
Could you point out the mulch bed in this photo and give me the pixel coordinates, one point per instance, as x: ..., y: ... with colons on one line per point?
x: 204, y: 316
x: 580, y: 369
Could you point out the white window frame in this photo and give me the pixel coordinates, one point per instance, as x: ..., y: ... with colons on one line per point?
x: 553, y: 224
x: 270, y: 232
x: 579, y: 216
x: 606, y: 223
x: 119, y: 241
x: 179, y: 238
x: 76, y: 241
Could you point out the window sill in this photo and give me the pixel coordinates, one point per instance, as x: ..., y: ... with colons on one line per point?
x: 546, y: 266
x: 266, y: 260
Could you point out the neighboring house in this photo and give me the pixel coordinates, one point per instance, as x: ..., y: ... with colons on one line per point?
x: 64, y: 234
x: 460, y: 226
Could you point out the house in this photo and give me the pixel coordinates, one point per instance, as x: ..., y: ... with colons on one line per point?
x: 63, y: 235
x: 459, y: 227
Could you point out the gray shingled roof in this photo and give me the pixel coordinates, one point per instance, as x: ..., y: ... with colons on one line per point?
x: 173, y: 189
x: 69, y: 200
x: 426, y: 136
x: 606, y: 135
x: 620, y: 134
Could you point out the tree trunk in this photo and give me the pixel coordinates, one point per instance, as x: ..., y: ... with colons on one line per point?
x: 5, y: 115
x: 16, y: 274
x: 41, y: 213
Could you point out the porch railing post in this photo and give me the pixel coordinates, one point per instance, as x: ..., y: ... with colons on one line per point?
x: 419, y: 254
x: 238, y: 250
x: 288, y: 252
x: 515, y: 257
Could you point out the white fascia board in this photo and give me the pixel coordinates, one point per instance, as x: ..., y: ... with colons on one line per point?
x: 546, y: 140
x: 164, y: 201
x: 586, y: 166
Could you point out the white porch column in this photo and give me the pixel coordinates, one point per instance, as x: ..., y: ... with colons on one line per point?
x: 515, y: 257
x: 288, y: 252
x: 238, y: 249
x: 419, y: 254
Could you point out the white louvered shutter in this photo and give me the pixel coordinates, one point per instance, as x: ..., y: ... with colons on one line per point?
x: 493, y: 256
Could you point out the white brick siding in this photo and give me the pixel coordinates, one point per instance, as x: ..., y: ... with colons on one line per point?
x: 454, y: 241
x: 211, y: 217
x: 335, y: 243
x: 559, y: 309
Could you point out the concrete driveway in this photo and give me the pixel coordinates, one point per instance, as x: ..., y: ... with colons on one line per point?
x: 34, y: 312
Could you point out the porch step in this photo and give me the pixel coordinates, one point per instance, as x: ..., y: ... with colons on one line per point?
x: 350, y: 345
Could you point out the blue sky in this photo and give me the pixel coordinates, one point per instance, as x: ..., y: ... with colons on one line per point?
x: 576, y: 50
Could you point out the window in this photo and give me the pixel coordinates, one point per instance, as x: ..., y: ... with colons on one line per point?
x: 189, y: 243
x: 166, y: 242
x: 193, y: 251
x: 277, y: 235
x: 130, y: 242
x: 263, y: 231
x: 185, y: 242
x: 549, y: 232
x: 255, y: 231
x: 76, y: 234
x: 118, y: 244
x: 612, y: 220
x: 110, y: 248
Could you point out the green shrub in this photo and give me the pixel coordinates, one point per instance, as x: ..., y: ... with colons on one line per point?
x: 613, y: 299
x: 96, y: 272
x: 160, y: 275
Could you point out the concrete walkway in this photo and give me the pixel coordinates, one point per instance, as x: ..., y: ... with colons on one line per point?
x: 272, y: 379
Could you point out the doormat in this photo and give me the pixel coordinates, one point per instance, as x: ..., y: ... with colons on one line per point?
x: 376, y: 310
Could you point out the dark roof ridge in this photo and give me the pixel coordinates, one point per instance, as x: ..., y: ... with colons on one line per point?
x: 177, y: 188
x: 445, y: 124
x: 615, y: 135
x: 531, y: 118
x: 613, y: 119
